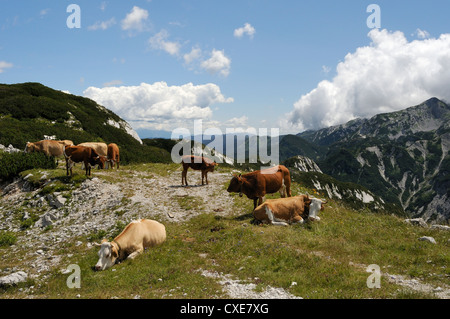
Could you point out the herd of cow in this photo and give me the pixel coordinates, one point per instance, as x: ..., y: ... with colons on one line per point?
x: 90, y: 154
x: 145, y: 233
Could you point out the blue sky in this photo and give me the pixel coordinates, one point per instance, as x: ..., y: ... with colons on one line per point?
x: 293, y: 65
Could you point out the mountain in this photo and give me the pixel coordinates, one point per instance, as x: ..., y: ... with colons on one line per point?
x: 29, y: 111
x: 401, y: 157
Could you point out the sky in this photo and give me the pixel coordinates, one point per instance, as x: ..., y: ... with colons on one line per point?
x: 292, y: 65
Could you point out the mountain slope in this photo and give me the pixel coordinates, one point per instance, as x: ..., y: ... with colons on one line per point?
x: 401, y: 156
x: 28, y: 111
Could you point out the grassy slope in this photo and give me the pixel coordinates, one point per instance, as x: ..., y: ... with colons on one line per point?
x: 322, y: 257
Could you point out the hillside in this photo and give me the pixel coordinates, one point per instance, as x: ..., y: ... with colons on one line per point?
x: 213, y: 250
x: 402, y: 157
x: 28, y: 111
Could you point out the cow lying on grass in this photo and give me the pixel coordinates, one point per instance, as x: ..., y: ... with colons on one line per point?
x: 284, y: 211
x: 132, y: 240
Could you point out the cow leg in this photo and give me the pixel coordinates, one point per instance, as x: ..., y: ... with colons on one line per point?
x: 272, y: 218
x: 298, y: 220
x: 134, y: 254
x: 255, y: 202
x: 183, y: 177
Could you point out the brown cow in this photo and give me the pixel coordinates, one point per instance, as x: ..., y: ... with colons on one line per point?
x: 259, y: 183
x: 86, y: 155
x: 113, y: 155
x: 48, y: 147
x: 197, y: 163
x: 284, y: 211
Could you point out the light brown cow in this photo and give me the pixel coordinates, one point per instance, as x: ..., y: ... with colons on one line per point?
x: 113, y: 155
x: 259, y: 183
x: 85, y: 155
x: 48, y: 147
x: 132, y: 240
x: 197, y: 163
x: 99, y: 147
x: 284, y: 211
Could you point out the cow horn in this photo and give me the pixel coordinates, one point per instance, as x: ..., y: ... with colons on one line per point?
x: 97, y: 244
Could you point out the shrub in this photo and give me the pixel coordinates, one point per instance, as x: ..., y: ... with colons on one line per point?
x: 12, y: 164
x: 7, y: 238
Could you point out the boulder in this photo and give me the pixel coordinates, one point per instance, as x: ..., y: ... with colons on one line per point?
x: 13, y: 279
x: 417, y: 222
x: 428, y: 239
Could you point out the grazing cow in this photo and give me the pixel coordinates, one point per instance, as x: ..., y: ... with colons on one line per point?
x: 197, y: 163
x: 48, y: 147
x: 86, y: 155
x: 259, y: 183
x: 284, y: 211
x: 100, y: 148
x: 113, y: 155
x: 132, y: 240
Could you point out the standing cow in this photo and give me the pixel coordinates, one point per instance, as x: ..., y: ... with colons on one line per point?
x: 113, y: 155
x: 257, y: 184
x: 85, y: 155
x: 99, y: 147
x: 48, y: 147
x: 197, y: 163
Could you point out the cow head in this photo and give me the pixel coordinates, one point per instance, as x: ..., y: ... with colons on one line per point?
x: 235, y: 185
x: 30, y: 147
x: 107, y: 254
x: 314, y: 208
x: 100, y: 160
x: 210, y: 166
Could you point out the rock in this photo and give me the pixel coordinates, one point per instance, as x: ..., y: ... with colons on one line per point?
x: 429, y: 239
x: 417, y: 222
x: 13, y: 279
x: 440, y: 227
x: 47, y: 220
x: 56, y: 201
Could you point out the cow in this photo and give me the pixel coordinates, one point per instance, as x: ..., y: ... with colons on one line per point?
x: 197, y: 163
x: 113, y: 155
x: 132, y: 240
x: 291, y: 210
x: 86, y: 155
x: 99, y: 147
x: 257, y: 184
x: 48, y: 147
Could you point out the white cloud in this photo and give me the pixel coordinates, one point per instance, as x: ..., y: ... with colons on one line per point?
x: 195, y: 54
x: 386, y: 76
x: 5, y: 65
x: 246, y: 29
x: 422, y: 34
x: 102, y: 25
x: 157, y: 104
x: 135, y: 20
x: 218, y: 63
x: 159, y: 42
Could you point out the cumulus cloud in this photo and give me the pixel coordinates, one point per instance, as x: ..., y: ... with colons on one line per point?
x: 390, y: 74
x: 195, y: 54
x: 159, y: 42
x: 135, y: 20
x: 159, y: 105
x: 422, y: 34
x: 217, y: 63
x: 246, y: 29
x: 5, y: 65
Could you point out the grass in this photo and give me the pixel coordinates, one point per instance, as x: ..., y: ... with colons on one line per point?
x: 326, y: 259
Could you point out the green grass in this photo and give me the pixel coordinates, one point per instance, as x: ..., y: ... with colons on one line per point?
x: 326, y: 259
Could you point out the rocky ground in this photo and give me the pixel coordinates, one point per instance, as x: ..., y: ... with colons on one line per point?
x: 103, y: 200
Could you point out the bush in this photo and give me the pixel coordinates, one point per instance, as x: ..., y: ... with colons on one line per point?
x: 12, y: 164
x: 7, y: 238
